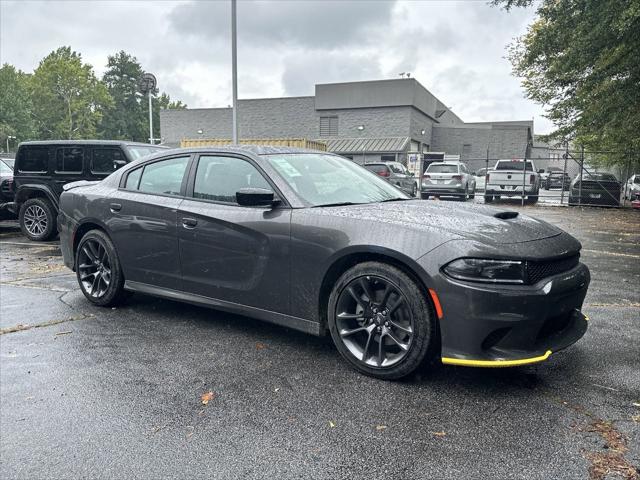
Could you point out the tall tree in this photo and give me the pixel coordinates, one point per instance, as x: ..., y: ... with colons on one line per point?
x: 15, y: 106
x: 67, y: 97
x: 579, y: 58
x: 125, y: 118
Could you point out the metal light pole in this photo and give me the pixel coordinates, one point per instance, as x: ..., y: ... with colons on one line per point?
x: 234, y: 73
x: 150, y: 120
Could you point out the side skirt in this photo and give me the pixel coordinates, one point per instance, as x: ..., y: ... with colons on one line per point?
x: 282, y: 319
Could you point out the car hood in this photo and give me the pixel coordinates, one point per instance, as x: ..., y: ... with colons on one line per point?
x: 464, y: 221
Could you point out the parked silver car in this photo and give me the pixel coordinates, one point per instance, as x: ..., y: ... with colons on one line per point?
x: 396, y: 174
x: 451, y: 179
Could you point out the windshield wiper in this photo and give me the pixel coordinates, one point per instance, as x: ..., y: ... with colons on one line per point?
x: 337, y: 204
x: 397, y: 199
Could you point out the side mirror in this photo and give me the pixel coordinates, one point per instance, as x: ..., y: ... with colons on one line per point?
x: 118, y: 163
x: 541, y: 170
x: 255, y: 197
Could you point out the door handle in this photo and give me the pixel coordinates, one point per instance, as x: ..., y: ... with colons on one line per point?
x: 115, y: 207
x: 189, y: 223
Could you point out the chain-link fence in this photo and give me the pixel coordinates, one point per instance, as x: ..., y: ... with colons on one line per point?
x: 574, y: 177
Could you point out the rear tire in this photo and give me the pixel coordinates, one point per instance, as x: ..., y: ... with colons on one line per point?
x: 424, y: 196
x: 488, y: 198
x: 98, y: 270
x: 37, y: 219
x: 388, y: 336
x: 414, y: 191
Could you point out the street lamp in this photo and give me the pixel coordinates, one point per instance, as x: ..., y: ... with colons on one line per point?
x: 9, y: 137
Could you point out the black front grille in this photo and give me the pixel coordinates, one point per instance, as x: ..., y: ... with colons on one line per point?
x: 536, y: 271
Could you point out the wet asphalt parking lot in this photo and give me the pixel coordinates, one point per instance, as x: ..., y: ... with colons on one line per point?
x: 87, y: 392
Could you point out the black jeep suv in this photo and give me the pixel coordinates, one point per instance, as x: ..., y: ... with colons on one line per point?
x: 42, y: 168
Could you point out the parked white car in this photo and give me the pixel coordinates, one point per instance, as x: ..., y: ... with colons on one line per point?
x: 632, y: 187
x: 512, y: 178
x: 448, y: 179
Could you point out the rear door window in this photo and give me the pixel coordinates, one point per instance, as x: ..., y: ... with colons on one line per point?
x: 163, y: 177
x: 69, y: 160
x: 34, y: 159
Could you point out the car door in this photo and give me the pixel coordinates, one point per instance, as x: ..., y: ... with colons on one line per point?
x: 68, y: 166
x: 142, y: 221
x: 230, y: 252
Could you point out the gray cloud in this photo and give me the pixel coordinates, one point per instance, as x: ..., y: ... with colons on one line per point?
x: 309, y: 23
x: 302, y: 72
x: 454, y: 48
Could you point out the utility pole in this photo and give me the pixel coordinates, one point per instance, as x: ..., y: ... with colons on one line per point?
x: 234, y: 73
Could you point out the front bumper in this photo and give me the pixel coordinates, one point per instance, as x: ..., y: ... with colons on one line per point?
x: 66, y: 230
x: 508, y: 325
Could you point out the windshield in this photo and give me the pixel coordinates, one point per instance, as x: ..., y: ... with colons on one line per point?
x: 4, y: 168
x: 441, y: 168
x: 322, y: 179
x: 515, y: 165
x: 139, y: 151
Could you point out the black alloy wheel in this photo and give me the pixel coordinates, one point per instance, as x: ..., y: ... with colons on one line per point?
x: 98, y: 269
x: 380, y: 321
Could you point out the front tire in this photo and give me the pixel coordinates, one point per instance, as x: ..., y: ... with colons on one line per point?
x: 414, y: 191
x: 37, y: 219
x: 424, y: 196
x: 381, y: 321
x: 488, y: 198
x: 98, y: 270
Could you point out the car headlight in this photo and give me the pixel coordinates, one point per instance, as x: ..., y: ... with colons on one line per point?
x: 485, y: 270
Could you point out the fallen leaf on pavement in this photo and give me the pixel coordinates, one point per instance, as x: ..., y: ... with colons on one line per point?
x: 207, y: 397
x: 331, y: 424
x: 260, y: 346
x: 440, y: 434
x: 636, y: 404
x: 64, y: 333
x: 381, y: 427
x: 276, y: 389
x: 636, y: 418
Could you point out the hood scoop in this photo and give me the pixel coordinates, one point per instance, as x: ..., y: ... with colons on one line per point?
x: 507, y: 215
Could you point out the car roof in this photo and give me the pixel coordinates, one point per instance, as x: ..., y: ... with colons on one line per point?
x: 446, y: 163
x: 90, y: 142
x: 255, y: 150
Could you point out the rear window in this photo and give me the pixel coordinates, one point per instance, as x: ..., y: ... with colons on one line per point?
x: 139, y: 151
x: 34, y: 160
x: 69, y: 159
x: 379, y: 169
x: 440, y: 168
x: 515, y: 165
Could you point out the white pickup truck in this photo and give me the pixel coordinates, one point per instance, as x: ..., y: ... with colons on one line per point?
x: 512, y: 178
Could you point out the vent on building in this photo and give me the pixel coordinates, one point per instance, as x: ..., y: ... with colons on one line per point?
x: 466, y: 150
x: 328, y: 126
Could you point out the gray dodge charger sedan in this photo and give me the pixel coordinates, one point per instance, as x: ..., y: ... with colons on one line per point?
x: 312, y: 241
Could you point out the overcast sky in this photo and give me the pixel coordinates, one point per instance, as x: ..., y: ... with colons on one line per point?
x: 456, y: 49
